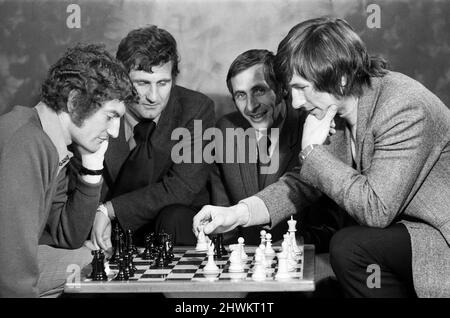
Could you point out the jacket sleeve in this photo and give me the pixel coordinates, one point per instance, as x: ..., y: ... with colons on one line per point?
x: 288, y: 196
x: 402, y: 142
x: 182, y: 182
x: 27, y: 211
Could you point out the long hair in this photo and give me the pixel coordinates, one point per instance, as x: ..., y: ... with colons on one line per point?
x: 323, y: 50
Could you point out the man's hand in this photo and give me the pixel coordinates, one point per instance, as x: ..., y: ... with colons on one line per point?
x: 101, y: 232
x: 217, y: 219
x: 93, y: 160
x: 316, y: 131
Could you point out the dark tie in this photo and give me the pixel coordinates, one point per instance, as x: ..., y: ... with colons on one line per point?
x: 263, y: 154
x: 136, y: 171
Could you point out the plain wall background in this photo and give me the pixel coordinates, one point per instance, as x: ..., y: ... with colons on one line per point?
x: 414, y: 37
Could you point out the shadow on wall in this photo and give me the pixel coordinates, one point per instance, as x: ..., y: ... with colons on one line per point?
x: 413, y: 36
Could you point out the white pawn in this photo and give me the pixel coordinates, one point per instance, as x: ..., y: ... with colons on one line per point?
x: 259, y: 270
x: 202, y: 243
x: 235, y: 260
x: 242, y: 248
x: 211, y: 267
x: 283, y: 267
x: 269, y: 251
x: 263, y: 237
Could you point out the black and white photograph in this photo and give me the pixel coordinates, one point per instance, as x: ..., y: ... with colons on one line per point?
x: 143, y: 142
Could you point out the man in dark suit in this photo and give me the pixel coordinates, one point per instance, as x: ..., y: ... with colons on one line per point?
x: 262, y: 112
x: 145, y: 185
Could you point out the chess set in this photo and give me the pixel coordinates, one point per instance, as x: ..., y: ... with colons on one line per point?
x: 209, y: 266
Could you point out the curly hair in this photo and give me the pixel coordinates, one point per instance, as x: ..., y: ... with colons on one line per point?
x: 146, y: 47
x: 94, y: 74
x: 323, y: 50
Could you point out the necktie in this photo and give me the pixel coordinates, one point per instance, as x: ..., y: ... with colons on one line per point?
x: 136, y: 171
x: 263, y: 159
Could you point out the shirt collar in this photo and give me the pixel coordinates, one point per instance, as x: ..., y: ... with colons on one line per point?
x: 273, y: 137
x: 130, y: 122
x: 52, y: 127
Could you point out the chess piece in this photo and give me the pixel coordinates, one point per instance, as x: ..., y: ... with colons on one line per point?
x: 263, y: 237
x: 221, y: 246
x: 122, y: 274
x: 131, y: 266
x: 236, y: 265
x: 149, y: 251
x: 241, y: 247
x: 290, y: 256
x: 116, y: 244
x: 259, y: 270
x: 269, y: 251
x: 283, y: 270
x: 211, y: 267
x: 292, y: 229
x: 98, y: 267
x: 129, y: 242
x: 202, y: 243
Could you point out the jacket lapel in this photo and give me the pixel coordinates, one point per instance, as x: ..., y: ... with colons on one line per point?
x: 366, y: 108
x: 247, y: 169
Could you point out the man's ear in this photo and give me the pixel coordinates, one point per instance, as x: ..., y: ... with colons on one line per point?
x: 73, y: 94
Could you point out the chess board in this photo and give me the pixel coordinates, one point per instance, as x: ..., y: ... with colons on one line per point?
x: 185, y: 274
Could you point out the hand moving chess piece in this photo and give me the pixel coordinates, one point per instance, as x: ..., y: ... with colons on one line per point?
x: 202, y: 243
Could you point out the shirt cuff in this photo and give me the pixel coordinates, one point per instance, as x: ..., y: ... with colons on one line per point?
x: 110, y: 209
x: 258, y: 212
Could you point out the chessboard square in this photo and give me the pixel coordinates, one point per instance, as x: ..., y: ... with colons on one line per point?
x: 184, y: 266
x: 194, y: 254
x: 190, y: 262
x: 185, y: 270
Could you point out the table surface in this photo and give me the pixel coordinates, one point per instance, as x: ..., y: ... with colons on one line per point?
x: 235, y: 282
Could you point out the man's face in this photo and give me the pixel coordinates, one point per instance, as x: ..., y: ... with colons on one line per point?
x: 305, y: 96
x: 104, y: 123
x: 153, y: 89
x: 254, y: 98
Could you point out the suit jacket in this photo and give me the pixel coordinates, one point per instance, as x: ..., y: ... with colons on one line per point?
x: 236, y: 181
x: 170, y: 183
x: 402, y: 174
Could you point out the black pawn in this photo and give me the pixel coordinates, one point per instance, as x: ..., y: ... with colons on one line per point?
x: 122, y: 274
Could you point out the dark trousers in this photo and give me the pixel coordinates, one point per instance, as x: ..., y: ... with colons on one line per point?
x: 357, y: 252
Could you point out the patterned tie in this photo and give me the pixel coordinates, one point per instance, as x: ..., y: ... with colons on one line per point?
x: 137, y: 170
